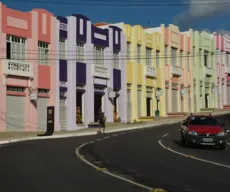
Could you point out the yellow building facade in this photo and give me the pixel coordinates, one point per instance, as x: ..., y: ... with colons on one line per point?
x: 142, y: 71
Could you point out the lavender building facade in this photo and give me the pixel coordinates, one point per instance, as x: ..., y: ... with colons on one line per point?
x: 92, y: 77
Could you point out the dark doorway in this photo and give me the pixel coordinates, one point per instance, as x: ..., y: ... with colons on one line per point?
x: 79, y: 114
x: 148, y: 106
x: 206, y: 100
x: 97, y: 106
x: 115, y: 109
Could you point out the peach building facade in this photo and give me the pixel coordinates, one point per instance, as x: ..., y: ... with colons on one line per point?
x: 27, y: 38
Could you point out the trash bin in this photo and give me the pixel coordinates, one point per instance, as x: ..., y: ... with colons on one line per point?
x: 157, y: 113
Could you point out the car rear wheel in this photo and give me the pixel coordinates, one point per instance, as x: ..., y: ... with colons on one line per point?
x: 183, y: 142
x: 222, y: 146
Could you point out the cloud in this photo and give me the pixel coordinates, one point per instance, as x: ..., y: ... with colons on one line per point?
x: 200, y: 10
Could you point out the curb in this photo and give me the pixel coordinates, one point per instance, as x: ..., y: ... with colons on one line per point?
x: 85, y: 134
x: 4, y: 142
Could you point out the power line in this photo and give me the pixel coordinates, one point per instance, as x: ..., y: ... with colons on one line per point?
x: 128, y: 4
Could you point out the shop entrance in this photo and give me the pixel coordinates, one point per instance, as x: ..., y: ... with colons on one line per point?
x: 148, y: 106
x: 97, y: 106
x: 206, y: 100
x: 79, y: 108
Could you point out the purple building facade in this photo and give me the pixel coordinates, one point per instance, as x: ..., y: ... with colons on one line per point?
x: 92, y: 75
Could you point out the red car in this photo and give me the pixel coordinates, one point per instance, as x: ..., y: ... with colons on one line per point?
x: 203, y: 130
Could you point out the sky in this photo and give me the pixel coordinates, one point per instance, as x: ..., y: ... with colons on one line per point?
x: 208, y: 15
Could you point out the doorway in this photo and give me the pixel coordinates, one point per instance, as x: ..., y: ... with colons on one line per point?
x: 206, y: 100
x: 148, y: 106
x: 79, y: 109
x: 97, y: 106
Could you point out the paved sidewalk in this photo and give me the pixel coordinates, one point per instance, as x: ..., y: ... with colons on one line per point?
x: 110, y: 127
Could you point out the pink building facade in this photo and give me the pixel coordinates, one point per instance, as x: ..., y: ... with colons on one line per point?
x: 223, y: 70
x: 27, y: 65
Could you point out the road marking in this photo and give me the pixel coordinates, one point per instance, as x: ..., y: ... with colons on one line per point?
x: 98, y: 140
x: 91, y: 142
x: 228, y: 143
x: 104, y: 170
x: 190, y: 156
x: 114, y: 135
x: 165, y: 135
x: 106, y: 137
x: 227, y: 131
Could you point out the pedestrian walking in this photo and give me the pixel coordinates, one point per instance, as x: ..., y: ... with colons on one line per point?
x: 102, y: 120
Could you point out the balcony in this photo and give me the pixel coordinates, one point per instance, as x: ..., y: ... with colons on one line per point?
x: 208, y: 71
x: 100, y: 71
x: 176, y: 70
x: 150, y: 71
x: 18, y: 68
x: 227, y: 69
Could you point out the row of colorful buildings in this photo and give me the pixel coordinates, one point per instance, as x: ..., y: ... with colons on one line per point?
x: 128, y: 72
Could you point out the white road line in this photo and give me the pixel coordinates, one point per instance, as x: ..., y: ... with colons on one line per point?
x: 192, y: 157
x: 114, y: 135
x: 107, y: 172
x: 228, y: 143
x: 227, y: 131
x: 165, y: 135
x: 98, y: 140
x: 91, y: 142
x: 106, y: 137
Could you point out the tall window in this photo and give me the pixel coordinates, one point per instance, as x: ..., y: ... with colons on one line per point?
x: 62, y: 48
x: 166, y: 55
x: 16, y: 48
x: 99, y: 55
x: 138, y: 54
x: 212, y: 60
x: 43, y: 53
x: 181, y: 59
x: 128, y: 51
x: 206, y: 58
x: 194, y: 63
x: 157, y: 59
x: 80, y: 52
x: 148, y: 57
x: 174, y: 56
x: 200, y: 57
x: 116, y: 59
x: 227, y: 58
x: 188, y: 58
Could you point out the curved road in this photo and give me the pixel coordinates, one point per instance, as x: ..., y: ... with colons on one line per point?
x: 51, y: 165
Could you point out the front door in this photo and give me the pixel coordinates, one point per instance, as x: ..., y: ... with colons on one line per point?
x: 148, y: 106
x: 97, y: 106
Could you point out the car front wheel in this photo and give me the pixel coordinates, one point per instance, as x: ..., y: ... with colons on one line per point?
x: 223, y: 146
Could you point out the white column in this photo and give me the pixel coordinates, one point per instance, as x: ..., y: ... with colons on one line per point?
x: 89, y: 88
x: 71, y: 66
x: 122, y: 102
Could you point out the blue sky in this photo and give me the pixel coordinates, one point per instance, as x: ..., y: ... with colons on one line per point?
x: 214, y: 18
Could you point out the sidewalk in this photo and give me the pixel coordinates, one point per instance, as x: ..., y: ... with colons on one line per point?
x: 7, y: 137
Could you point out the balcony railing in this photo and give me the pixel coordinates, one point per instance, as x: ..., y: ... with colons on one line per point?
x: 100, y: 71
x: 176, y: 70
x: 227, y: 69
x: 150, y: 71
x: 208, y: 71
x: 18, y: 68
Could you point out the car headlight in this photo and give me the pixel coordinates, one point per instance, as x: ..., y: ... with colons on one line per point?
x: 192, y: 133
x: 221, y: 134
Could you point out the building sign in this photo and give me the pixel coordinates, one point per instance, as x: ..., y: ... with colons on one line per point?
x: 63, y: 26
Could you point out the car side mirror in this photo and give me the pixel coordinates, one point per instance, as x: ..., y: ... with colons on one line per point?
x: 222, y: 125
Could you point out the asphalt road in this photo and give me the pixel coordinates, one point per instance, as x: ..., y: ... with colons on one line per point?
x: 139, y: 157
x: 51, y: 165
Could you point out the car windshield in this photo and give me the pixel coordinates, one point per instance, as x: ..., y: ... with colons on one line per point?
x: 204, y: 121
